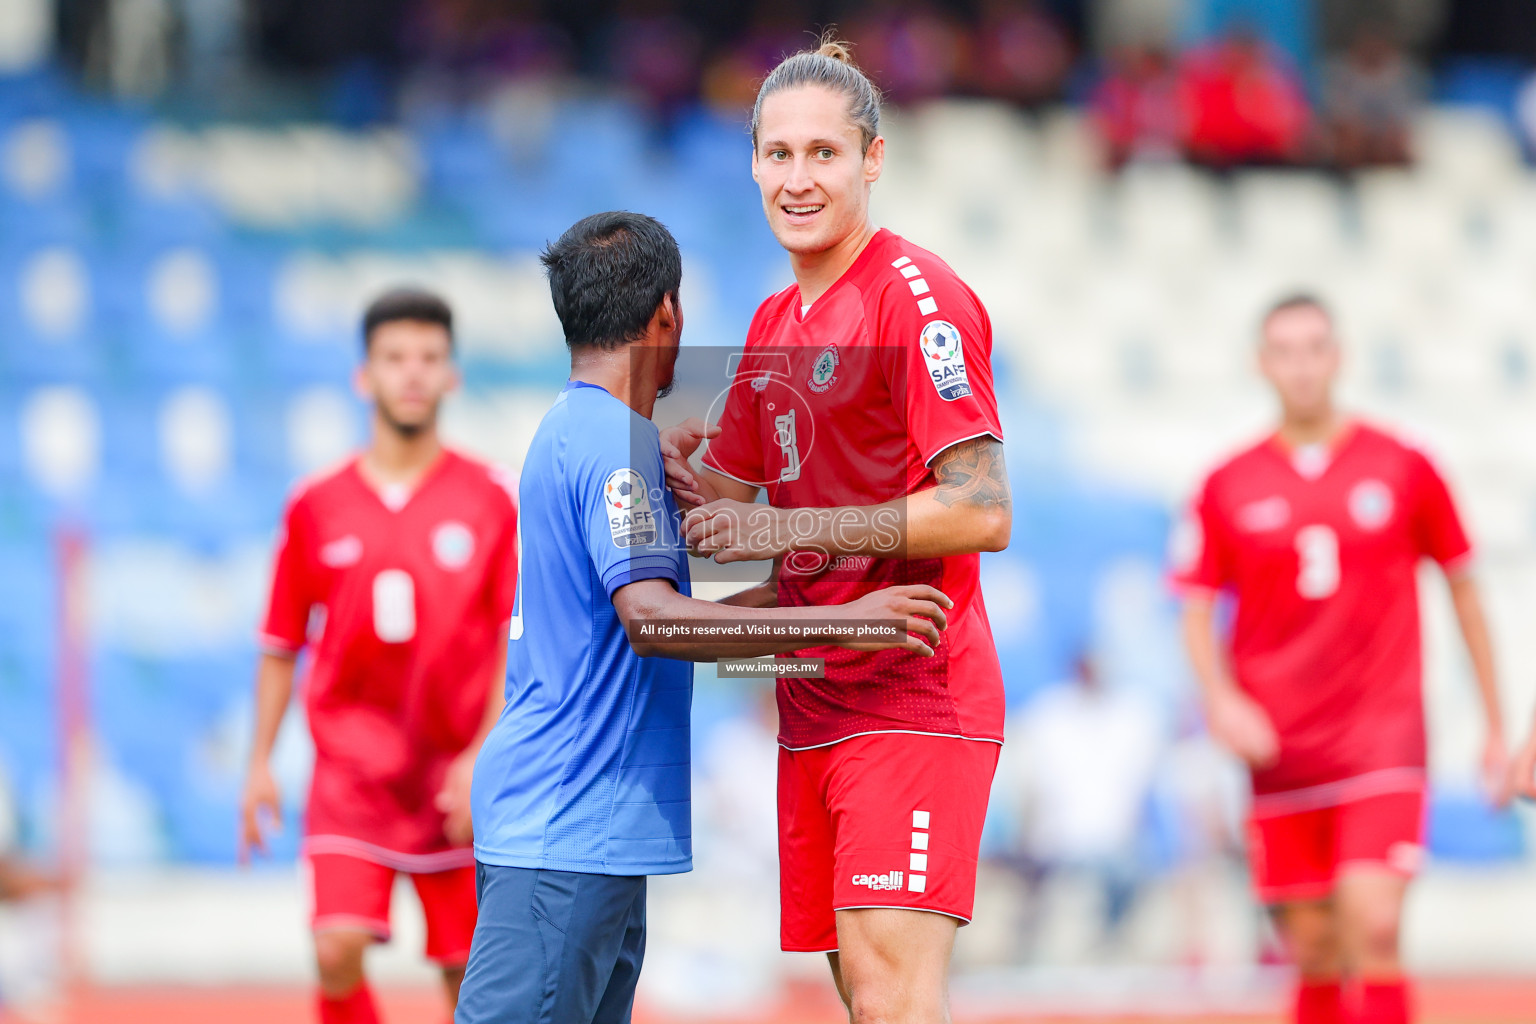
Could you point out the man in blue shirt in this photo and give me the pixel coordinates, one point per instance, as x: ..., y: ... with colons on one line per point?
x: 582, y: 788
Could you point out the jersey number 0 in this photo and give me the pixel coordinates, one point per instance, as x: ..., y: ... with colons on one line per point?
x: 394, y: 606
x: 1318, y: 549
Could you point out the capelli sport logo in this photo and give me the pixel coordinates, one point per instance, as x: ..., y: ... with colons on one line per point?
x: 889, y: 880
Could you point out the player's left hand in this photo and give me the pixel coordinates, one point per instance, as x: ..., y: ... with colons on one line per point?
x: 736, y: 531
x: 1498, y: 778
x: 1522, y: 775
x: 453, y: 799
x: 677, y: 446
x: 1522, y: 770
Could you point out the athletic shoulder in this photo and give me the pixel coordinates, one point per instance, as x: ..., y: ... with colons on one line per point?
x: 492, y: 479
x: 906, y: 280
x: 1384, y: 439
x: 1246, y: 460
x: 1404, y: 447
x: 321, y: 485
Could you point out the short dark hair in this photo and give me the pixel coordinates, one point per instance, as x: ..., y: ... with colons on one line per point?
x: 407, y: 304
x: 608, y: 273
x: 1294, y: 300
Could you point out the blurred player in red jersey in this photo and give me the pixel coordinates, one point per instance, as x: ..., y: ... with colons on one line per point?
x: 863, y: 403
x: 1317, y: 533
x: 397, y: 571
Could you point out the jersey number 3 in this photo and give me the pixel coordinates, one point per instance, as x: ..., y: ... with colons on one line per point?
x: 1318, y: 549
x: 784, y: 434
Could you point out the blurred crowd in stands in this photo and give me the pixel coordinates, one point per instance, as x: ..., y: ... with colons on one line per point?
x: 1224, y: 83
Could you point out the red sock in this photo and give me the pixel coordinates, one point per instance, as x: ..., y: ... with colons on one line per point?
x: 1381, y: 1002
x: 354, y: 1008
x: 1319, y: 1002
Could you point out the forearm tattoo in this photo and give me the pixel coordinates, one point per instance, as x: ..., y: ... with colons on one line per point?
x: 972, y: 472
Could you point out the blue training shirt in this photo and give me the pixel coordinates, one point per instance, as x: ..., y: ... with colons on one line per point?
x: 587, y: 769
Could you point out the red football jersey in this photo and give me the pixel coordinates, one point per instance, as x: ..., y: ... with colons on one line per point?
x: 1322, y: 560
x: 847, y: 403
x: 409, y: 603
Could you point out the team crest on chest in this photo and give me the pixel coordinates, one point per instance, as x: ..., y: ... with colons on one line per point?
x: 453, y: 544
x: 1371, y: 504
x: 824, y: 370
x: 945, y: 356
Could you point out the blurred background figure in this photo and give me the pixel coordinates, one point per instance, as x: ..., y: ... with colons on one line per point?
x: 1083, y: 757
x: 1369, y: 94
x: 1020, y: 52
x: 1139, y: 108
x: 1247, y: 107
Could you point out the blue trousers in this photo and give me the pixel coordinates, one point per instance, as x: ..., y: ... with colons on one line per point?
x: 553, y: 947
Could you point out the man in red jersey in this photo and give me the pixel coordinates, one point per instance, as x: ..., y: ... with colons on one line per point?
x: 397, y: 571
x: 1317, y: 533
x: 863, y: 403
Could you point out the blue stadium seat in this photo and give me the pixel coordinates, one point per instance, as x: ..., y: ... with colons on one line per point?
x: 127, y: 503
x: 709, y: 148
x: 1463, y: 828
x: 1489, y: 82
x: 521, y: 215
x: 59, y: 220
x: 292, y: 361
x: 461, y: 157
x: 29, y: 598
x: 153, y: 223
x: 35, y: 92
x: 203, y: 818
x: 237, y: 508
x: 102, y: 140
x: 26, y: 356
x: 247, y: 273
x: 160, y: 359
x: 48, y: 324
x: 142, y: 721
x: 10, y: 434
x: 600, y: 145
x: 130, y: 443
x: 261, y: 438
x: 29, y: 727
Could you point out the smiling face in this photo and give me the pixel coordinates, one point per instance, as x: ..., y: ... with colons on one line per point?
x: 814, y: 175
x: 1299, y: 356
x: 407, y: 373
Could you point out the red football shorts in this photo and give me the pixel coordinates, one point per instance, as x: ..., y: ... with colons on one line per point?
x: 1300, y: 855
x: 883, y: 820
x: 352, y: 893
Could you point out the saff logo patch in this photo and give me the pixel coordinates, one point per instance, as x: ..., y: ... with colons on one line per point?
x: 1371, y: 504
x: 824, y: 370
x: 453, y: 545
x: 944, y: 354
x: 628, y: 501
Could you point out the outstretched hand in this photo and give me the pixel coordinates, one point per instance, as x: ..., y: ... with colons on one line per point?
x: 1243, y: 727
x: 259, y: 802
x: 677, y: 446
x: 453, y: 799
x: 1522, y: 771
x: 921, y: 609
